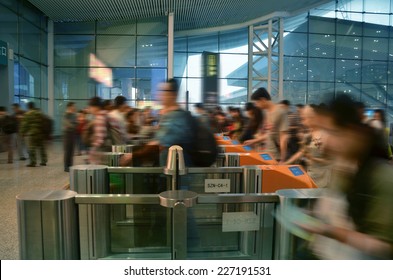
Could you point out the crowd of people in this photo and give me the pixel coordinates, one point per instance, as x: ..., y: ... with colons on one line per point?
x: 341, y: 149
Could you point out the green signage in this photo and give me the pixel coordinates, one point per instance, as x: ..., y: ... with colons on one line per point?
x: 3, y: 53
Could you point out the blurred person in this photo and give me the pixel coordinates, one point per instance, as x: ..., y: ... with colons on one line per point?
x: 118, y: 115
x: 202, y: 115
x: 254, y: 123
x: 221, y: 123
x: 133, y: 128
x: 276, y: 127
x: 360, y: 108
x: 147, y: 117
x: 69, y: 134
x: 237, y: 123
x: 108, y: 105
x: 378, y: 122
x: 81, y: 125
x: 355, y: 213
x: 294, y: 126
x: 174, y: 126
x: 8, y: 127
x: 32, y: 128
x: 20, y: 141
x: 312, y: 149
x: 106, y: 131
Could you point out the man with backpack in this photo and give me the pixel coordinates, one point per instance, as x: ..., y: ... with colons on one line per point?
x: 174, y: 126
x: 8, y: 126
x: 32, y: 127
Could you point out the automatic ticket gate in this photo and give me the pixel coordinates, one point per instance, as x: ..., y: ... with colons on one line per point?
x: 225, y: 140
x: 242, y: 159
x: 234, y: 149
x: 271, y: 178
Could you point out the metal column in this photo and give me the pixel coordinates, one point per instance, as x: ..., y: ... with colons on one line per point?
x: 266, y: 59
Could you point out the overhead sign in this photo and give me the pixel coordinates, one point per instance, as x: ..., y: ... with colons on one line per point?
x: 3, y: 53
x: 210, y: 70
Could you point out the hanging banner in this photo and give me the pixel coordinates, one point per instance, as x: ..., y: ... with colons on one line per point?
x: 3, y: 53
x: 210, y: 67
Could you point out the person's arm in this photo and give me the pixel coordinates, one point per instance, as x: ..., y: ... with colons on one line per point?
x: 283, y: 145
x: 295, y: 157
x: 361, y: 241
x: 256, y: 140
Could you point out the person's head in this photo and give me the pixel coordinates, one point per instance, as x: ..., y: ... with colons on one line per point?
x: 71, y: 107
x: 199, y: 108
x: 30, y: 105
x: 261, y: 98
x: 235, y: 112
x: 120, y: 102
x: 167, y: 92
x: 348, y: 137
x: 3, y: 110
x: 220, y: 117
x: 15, y: 107
x: 95, y: 104
x: 308, y: 116
x: 107, y: 105
x: 379, y: 115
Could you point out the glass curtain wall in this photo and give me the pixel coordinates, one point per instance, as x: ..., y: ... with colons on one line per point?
x: 24, y: 28
x: 108, y: 59
x: 342, y: 46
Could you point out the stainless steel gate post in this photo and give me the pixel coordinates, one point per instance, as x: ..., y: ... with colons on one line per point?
x: 179, y: 201
x: 94, y: 219
x: 175, y: 165
x: 48, y: 225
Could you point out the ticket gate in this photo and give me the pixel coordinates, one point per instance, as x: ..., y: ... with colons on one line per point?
x: 271, y: 178
x: 242, y: 159
x: 234, y: 149
x: 225, y: 140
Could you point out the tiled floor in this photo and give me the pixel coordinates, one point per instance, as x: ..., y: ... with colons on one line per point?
x: 15, y: 179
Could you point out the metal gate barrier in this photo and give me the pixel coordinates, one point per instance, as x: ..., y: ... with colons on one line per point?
x: 253, y: 228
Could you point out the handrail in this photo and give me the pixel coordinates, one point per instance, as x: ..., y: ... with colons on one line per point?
x: 214, y: 170
x: 132, y: 170
x: 238, y: 198
x: 190, y: 170
x: 117, y: 199
x: 154, y: 198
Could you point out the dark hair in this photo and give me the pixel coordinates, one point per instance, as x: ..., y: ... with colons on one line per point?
x: 69, y: 104
x: 119, y: 101
x: 95, y: 101
x: 30, y: 105
x: 173, y: 84
x: 344, y: 111
x: 261, y: 93
x: 383, y: 117
x: 285, y: 102
x: 199, y: 105
x: 249, y: 106
x: 3, y: 109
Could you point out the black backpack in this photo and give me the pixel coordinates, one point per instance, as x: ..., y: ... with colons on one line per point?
x: 10, y: 125
x: 205, y: 149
